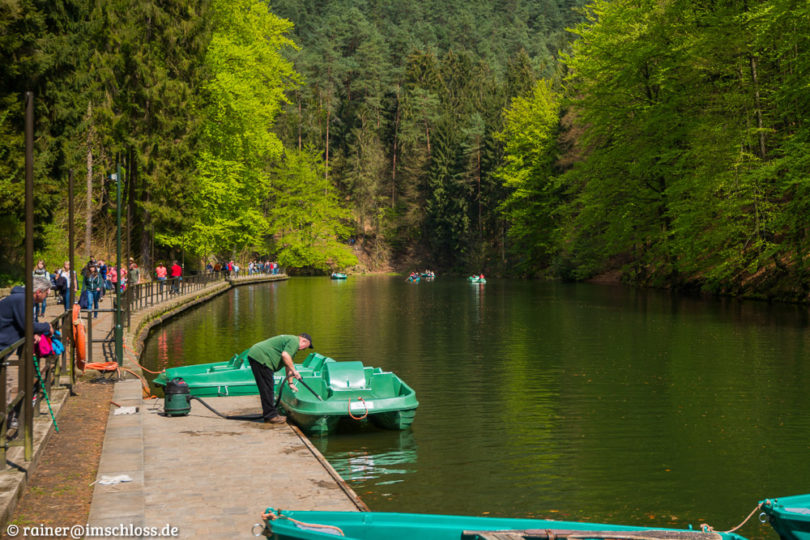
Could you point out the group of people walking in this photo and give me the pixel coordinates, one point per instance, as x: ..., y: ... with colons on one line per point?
x: 96, y: 278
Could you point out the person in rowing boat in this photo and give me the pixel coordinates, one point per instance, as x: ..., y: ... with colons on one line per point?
x: 269, y: 356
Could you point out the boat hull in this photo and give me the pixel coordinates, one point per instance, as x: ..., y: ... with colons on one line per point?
x: 789, y: 516
x: 314, y: 525
x: 350, y: 391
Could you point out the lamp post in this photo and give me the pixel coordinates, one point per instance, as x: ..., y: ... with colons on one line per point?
x: 119, y: 337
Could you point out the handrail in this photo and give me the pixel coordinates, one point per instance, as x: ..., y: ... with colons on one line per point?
x: 54, y: 365
x: 135, y: 298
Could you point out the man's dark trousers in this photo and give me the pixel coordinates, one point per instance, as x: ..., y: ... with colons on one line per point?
x: 266, y: 384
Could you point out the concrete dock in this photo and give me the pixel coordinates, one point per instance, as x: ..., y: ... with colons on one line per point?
x: 207, y: 476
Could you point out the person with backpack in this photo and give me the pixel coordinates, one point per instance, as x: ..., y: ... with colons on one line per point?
x: 41, y: 272
x: 94, y: 287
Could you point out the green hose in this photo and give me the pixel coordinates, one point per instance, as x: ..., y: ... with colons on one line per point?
x: 45, y: 391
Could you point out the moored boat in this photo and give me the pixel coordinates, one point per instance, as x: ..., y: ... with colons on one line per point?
x: 231, y: 378
x: 789, y: 516
x: 339, y: 275
x: 314, y: 525
x: 349, y: 391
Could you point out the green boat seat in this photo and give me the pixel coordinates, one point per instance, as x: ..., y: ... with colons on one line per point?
x: 384, y: 385
x: 315, y: 361
x: 343, y: 375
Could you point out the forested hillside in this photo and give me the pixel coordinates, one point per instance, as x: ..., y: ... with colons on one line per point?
x: 404, y: 101
x: 689, y: 165
x: 665, y: 142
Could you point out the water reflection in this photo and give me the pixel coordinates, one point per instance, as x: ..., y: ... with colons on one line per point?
x: 389, y: 458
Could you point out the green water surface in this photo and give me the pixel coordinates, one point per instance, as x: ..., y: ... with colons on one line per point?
x: 564, y: 401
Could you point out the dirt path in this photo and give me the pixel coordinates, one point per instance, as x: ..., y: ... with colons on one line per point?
x: 59, y: 491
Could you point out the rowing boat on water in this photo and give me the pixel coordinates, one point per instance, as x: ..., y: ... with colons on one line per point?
x: 316, y: 525
x: 789, y: 516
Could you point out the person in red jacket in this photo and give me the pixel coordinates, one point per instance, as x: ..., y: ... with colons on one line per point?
x: 176, y: 274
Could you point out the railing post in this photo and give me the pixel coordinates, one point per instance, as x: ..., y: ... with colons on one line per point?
x: 89, y: 344
x: 4, y: 404
x: 26, y: 366
x: 71, y: 257
x: 129, y: 306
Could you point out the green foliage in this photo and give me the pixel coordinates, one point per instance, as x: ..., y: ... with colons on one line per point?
x: 308, y: 227
x: 243, y: 93
x: 693, y: 141
x: 528, y: 172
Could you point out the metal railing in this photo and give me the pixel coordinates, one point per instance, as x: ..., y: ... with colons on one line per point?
x: 144, y: 295
x: 51, y: 368
x: 135, y: 298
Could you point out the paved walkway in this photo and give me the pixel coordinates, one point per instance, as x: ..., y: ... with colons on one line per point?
x: 206, y: 476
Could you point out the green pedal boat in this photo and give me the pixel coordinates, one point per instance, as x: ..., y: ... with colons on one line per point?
x: 231, y: 378
x: 315, y: 525
x: 349, y: 391
x: 330, y: 391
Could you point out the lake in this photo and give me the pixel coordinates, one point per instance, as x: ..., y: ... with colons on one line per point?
x: 552, y: 400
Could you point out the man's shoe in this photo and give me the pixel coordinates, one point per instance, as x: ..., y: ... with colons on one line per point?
x: 279, y: 419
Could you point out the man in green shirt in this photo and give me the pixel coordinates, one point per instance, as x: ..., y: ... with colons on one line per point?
x: 269, y: 356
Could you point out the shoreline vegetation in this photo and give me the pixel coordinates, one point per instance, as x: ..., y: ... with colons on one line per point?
x: 656, y: 144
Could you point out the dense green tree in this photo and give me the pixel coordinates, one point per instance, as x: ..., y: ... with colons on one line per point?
x: 243, y: 95
x: 530, y: 174
x: 308, y: 227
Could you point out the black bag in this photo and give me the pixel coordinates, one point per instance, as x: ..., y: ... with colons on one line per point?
x: 83, y: 299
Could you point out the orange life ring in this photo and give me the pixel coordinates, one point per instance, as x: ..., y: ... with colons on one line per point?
x: 79, y: 337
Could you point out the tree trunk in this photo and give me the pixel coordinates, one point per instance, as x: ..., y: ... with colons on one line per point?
x: 427, y: 135
x: 758, y: 107
x: 88, y: 225
x: 300, y: 121
x: 394, y: 161
x: 147, y: 252
x: 131, y: 179
x: 326, y: 168
x: 478, y: 179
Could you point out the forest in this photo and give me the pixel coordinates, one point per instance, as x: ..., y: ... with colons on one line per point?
x: 659, y: 143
